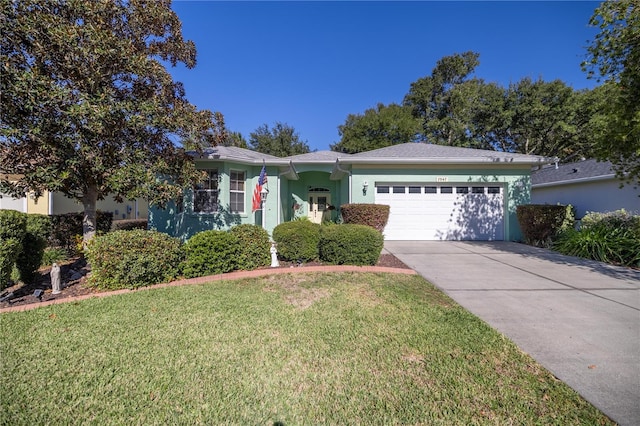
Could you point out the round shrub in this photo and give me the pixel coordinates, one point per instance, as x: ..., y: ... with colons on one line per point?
x: 253, y: 245
x: 349, y: 244
x: 13, y: 225
x: 297, y: 240
x: 211, y: 252
x: 131, y: 259
x: 541, y: 223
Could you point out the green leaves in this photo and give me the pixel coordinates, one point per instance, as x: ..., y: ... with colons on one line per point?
x: 281, y: 141
x: 86, y: 97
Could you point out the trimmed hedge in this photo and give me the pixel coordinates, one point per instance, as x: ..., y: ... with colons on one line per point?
x: 128, y: 224
x: 253, y: 246
x: 349, y: 244
x: 297, y: 240
x: 9, y: 251
x: 35, y: 241
x: 13, y: 227
x: 211, y: 252
x: 541, y: 223
x: 373, y: 215
x: 131, y: 259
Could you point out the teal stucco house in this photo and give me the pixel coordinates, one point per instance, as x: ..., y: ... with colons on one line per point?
x: 434, y: 192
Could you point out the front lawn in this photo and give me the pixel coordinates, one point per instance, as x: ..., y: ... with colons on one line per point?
x: 342, y: 348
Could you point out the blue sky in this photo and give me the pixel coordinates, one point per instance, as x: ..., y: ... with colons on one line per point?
x: 310, y: 64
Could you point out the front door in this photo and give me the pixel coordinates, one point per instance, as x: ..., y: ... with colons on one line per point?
x: 319, y: 206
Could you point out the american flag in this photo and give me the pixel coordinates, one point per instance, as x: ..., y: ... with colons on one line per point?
x: 262, y: 180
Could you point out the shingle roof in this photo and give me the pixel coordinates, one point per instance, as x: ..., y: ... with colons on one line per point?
x: 235, y: 153
x: 430, y: 151
x: 570, y: 172
x: 317, y: 156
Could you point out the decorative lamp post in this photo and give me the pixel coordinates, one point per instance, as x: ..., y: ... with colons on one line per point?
x: 263, y: 199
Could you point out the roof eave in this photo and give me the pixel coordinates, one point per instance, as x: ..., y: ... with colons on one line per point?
x: 571, y: 181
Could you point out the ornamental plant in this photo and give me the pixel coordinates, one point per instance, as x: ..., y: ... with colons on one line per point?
x: 132, y: 259
x: 349, y: 244
x: 297, y: 240
x: 211, y: 252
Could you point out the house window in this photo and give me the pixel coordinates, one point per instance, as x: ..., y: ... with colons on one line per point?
x: 236, y: 191
x: 462, y: 190
x: 477, y: 189
x: 382, y: 189
x: 430, y: 190
x: 399, y: 189
x: 205, y: 194
x: 414, y: 190
x: 446, y: 190
x: 493, y: 190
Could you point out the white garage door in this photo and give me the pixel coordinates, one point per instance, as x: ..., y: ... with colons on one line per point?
x: 443, y: 212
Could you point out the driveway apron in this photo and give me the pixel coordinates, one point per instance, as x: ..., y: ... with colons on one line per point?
x: 580, y: 319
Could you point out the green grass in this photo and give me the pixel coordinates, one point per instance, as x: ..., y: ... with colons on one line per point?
x: 344, y: 348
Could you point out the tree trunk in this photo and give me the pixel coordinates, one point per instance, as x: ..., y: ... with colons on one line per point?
x: 89, y: 221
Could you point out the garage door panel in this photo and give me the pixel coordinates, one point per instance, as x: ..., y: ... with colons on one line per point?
x: 475, y: 215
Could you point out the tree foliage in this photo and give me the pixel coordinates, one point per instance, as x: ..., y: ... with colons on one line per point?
x: 235, y: 139
x: 614, y: 57
x: 281, y: 141
x: 88, y: 107
x: 378, y: 127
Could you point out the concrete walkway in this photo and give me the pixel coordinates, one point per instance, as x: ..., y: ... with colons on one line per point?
x: 579, y: 319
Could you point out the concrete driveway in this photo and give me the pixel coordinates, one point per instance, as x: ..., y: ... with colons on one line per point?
x: 580, y: 319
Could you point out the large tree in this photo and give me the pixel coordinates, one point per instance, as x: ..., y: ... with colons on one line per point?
x: 614, y: 57
x: 282, y: 140
x: 378, y: 127
x: 88, y: 107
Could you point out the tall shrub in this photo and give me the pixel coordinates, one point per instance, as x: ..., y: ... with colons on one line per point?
x: 253, y: 246
x: 374, y: 215
x: 65, y: 228
x: 131, y: 259
x: 349, y: 244
x: 13, y: 227
x: 297, y: 240
x: 541, y: 223
x: 211, y: 252
x: 38, y: 229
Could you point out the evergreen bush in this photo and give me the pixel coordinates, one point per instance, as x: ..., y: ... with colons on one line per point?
x: 297, y: 240
x: 612, y: 237
x: 66, y: 227
x: 131, y: 259
x: 349, y: 244
x: 211, y: 252
x: 9, y: 250
x: 13, y: 227
x: 128, y: 224
x: 38, y: 228
x: 541, y: 223
x: 374, y: 215
x: 253, y: 245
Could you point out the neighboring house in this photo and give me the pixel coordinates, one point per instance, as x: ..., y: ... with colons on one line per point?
x: 57, y: 203
x: 589, y: 186
x: 435, y: 192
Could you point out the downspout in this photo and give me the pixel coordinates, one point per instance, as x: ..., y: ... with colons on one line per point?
x: 345, y: 171
x: 279, y: 209
x: 50, y: 206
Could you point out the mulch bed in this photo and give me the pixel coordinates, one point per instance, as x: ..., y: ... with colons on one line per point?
x: 73, y: 276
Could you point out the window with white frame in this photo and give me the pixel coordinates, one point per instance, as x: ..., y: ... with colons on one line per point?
x: 205, y: 194
x: 236, y: 191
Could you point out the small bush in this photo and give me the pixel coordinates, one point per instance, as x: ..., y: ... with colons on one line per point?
x: 128, y: 224
x: 13, y: 225
x: 297, y: 240
x: 9, y: 250
x: 350, y: 244
x: 612, y: 237
x: 374, y: 215
x: 131, y: 259
x: 53, y: 255
x: 211, y: 252
x: 541, y: 223
x: 253, y: 245
x: 33, y: 245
